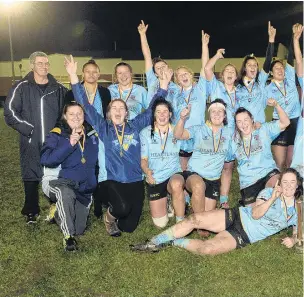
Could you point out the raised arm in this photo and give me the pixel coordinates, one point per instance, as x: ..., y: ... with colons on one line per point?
x: 179, y: 130
x: 270, y: 49
x: 142, y: 30
x: 93, y: 117
x: 283, y: 117
x: 262, y: 206
x: 205, y: 52
x: 297, y: 30
x: 210, y: 64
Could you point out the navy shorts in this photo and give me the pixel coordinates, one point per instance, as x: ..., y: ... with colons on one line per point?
x: 287, y: 136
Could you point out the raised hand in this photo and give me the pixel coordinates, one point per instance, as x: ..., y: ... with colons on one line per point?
x: 220, y: 53
x: 297, y: 31
x: 185, y: 112
x: 74, y: 137
x: 70, y: 65
x: 277, y: 190
x: 205, y: 38
x: 271, y: 32
x: 272, y: 102
x: 142, y: 28
x: 165, y: 78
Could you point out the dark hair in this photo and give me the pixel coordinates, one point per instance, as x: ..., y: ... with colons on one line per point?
x: 238, y: 111
x: 225, y: 121
x: 90, y: 62
x: 113, y: 101
x: 157, y: 102
x: 156, y: 60
x: 62, y: 122
x: 275, y: 62
x: 299, y: 190
x: 243, y: 68
x: 121, y: 64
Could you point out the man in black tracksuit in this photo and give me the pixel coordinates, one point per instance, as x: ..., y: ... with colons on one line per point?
x: 33, y: 107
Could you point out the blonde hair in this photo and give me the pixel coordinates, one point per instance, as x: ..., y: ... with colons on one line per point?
x: 182, y: 67
x: 222, y: 72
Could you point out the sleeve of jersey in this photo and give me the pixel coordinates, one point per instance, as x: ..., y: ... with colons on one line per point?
x: 144, y: 119
x: 265, y: 194
x: 212, y: 86
x: 55, y: 150
x: 144, y: 98
x: 230, y: 156
x: 192, y: 131
x: 290, y: 73
x: 272, y: 128
x: 92, y: 116
x: 144, y: 145
x: 151, y: 78
x: 13, y: 110
x: 263, y: 76
x: 203, y: 86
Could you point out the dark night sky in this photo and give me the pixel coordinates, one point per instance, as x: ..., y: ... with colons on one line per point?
x: 174, y: 27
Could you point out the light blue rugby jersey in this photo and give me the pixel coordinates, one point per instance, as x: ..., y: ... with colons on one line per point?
x: 290, y: 100
x: 254, y: 100
x: 298, y: 152
x: 204, y: 160
x: 260, y: 161
x: 137, y: 100
x: 153, y: 85
x: 273, y: 221
x: 198, y: 98
x: 218, y: 91
x: 165, y: 164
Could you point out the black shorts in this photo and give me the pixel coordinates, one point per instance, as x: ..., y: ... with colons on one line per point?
x: 235, y: 228
x: 212, y: 186
x: 185, y: 154
x: 250, y: 193
x: 156, y: 192
x: 287, y: 136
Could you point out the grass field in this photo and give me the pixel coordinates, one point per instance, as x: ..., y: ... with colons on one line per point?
x: 33, y: 263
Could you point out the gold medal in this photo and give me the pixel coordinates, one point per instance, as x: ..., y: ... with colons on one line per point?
x: 81, y: 146
x: 120, y: 138
x: 121, y: 153
x: 83, y: 160
x: 128, y: 95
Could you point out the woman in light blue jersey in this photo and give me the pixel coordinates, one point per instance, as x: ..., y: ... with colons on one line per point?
x: 251, y: 148
x: 284, y: 90
x: 160, y: 163
x: 134, y: 95
x: 154, y: 68
x: 274, y: 211
x: 250, y: 92
x: 192, y: 93
x: 211, y: 144
x: 224, y: 88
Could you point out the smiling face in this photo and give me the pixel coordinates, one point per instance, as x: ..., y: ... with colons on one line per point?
x: 41, y: 66
x: 217, y: 115
x: 184, y: 77
x: 162, y: 115
x: 91, y: 74
x: 289, y: 184
x: 160, y: 67
x: 229, y: 75
x: 124, y: 75
x: 74, y: 117
x: 278, y: 71
x: 251, y: 68
x: 244, y: 123
x: 118, y: 112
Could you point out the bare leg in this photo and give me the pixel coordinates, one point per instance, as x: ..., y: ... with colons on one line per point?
x: 221, y: 243
x: 279, y: 153
x: 289, y: 155
x: 226, y: 178
x: 210, y: 204
x: 272, y: 181
x: 158, y: 207
x: 184, y: 162
x: 175, y: 188
x: 196, y: 185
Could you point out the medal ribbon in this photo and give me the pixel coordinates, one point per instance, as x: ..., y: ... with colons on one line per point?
x: 128, y: 95
x: 285, y: 208
x: 120, y: 137
x: 247, y: 152
x: 81, y: 146
x: 163, y: 145
x: 282, y: 90
x: 232, y: 98
x: 188, y: 98
x: 89, y: 97
x: 216, y: 145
